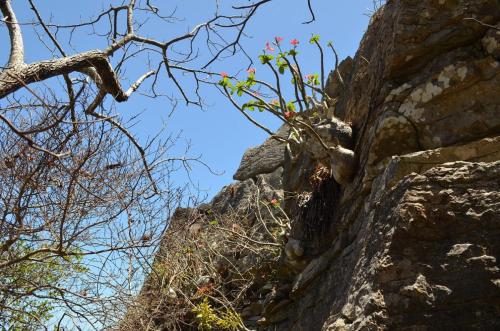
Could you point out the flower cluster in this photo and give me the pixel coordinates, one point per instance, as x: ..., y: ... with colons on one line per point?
x: 269, y: 97
x: 277, y: 42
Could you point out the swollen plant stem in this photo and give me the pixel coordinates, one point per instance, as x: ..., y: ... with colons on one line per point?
x: 314, y: 133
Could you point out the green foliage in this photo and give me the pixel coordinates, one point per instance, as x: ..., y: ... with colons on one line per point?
x: 282, y: 65
x: 313, y: 79
x: 290, y: 106
x: 225, y: 82
x: 314, y: 39
x: 250, y: 105
x: 250, y: 81
x: 209, y: 319
x: 27, y: 288
x: 239, y: 88
x: 266, y: 58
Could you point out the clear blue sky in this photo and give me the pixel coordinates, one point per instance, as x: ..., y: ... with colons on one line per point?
x: 218, y: 132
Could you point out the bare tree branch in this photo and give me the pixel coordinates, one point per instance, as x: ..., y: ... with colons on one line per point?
x: 16, y: 39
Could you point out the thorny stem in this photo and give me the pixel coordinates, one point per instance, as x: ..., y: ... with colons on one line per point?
x: 278, y: 87
x: 322, y: 65
x: 301, y: 80
x: 336, y: 69
x: 295, y: 84
x: 251, y: 119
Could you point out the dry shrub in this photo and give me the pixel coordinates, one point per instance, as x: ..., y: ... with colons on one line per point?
x: 209, y: 267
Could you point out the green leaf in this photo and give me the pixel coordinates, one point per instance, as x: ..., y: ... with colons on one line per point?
x: 282, y: 54
x: 265, y: 58
x: 316, y: 79
x: 224, y: 82
x: 281, y: 69
x: 250, y: 105
x: 239, y: 88
x: 293, y: 52
x: 233, y: 89
x: 260, y: 105
x: 314, y: 39
x: 290, y: 106
x: 313, y: 79
x: 250, y: 81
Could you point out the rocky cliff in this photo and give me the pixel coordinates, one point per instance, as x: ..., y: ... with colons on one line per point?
x: 413, y: 242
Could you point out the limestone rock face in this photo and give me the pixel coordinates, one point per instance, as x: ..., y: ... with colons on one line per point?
x: 262, y: 159
x: 424, y: 256
x: 413, y: 243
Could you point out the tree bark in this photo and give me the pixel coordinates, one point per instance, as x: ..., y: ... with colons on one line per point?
x: 16, y: 38
x: 14, y: 78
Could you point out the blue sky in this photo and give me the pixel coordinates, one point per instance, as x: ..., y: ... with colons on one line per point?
x: 218, y: 132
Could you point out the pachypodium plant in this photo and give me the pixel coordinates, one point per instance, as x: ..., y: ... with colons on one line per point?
x: 307, y: 92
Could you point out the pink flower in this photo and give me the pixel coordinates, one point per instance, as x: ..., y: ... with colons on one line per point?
x: 289, y: 114
x: 294, y: 42
x: 268, y: 47
x: 224, y: 74
x: 309, y: 76
x: 278, y: 39
x: 251, y: 71
x: 274, y: 102
x: 274, y: 202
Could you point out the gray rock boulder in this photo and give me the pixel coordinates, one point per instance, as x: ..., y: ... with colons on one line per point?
x: 262, y: 159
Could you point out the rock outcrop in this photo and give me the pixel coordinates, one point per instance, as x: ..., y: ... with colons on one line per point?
x: 413, y: 242
x: 262, y: 159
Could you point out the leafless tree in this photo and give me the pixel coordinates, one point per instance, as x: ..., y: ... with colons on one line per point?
x: 83, y: 201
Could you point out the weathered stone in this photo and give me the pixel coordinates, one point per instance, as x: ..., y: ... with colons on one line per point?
x: 483, y: 150
x: 240, y: 196
x: 262, y: 159
x: 253, y: 309
x: 491, y: 42
x: 424, y: 260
